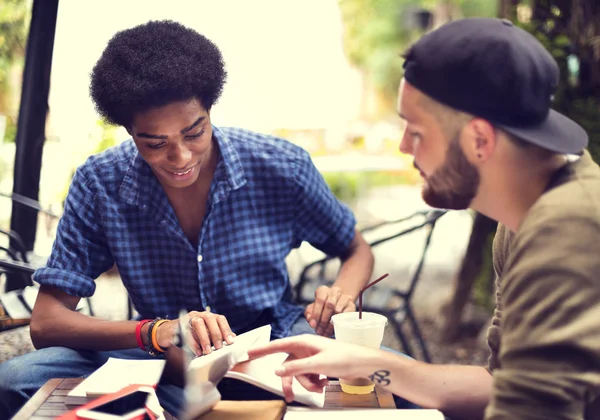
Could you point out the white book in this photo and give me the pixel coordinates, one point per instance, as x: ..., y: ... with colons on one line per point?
x: 114, y: 375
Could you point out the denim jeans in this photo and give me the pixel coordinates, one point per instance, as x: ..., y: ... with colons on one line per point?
x: 22, y: 376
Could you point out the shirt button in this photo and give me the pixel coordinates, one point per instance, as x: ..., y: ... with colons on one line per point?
x: 207, y: 309
x: 199, y: 258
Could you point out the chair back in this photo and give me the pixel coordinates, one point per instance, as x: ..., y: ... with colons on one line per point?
x: 324, y: 271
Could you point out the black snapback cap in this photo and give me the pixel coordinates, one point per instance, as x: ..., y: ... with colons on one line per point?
x: 496, y: 71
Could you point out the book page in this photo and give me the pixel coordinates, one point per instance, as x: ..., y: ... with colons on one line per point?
x: 213, y: 367
x: 239, y: 348
x: 205, y: 372
x: 261, y: 373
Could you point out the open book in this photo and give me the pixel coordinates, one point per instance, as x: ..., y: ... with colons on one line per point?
x: 232, y: 362
x: 202, y: 376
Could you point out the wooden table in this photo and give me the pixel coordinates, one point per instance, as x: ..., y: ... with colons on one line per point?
x: 49, y: 401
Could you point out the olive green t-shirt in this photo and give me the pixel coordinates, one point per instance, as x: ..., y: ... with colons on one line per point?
x: 545, y: 334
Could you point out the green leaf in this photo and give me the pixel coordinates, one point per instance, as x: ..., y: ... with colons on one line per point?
x: 562, y: 41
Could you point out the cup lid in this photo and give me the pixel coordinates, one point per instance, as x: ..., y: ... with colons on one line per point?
x: 369, y: 319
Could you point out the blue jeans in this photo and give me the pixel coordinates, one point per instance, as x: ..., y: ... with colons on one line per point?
x: 22, y: 376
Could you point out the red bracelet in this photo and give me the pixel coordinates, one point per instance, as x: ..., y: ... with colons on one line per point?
x: 138, y: 333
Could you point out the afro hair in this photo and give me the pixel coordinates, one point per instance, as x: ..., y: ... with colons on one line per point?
x: 152, y: 65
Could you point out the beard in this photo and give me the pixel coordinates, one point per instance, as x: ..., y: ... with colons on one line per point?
x: 455, y: 184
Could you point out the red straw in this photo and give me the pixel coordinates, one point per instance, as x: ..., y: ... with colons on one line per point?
x: 365, y: 288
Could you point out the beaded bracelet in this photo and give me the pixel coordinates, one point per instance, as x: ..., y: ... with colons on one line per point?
x: 152, y: 351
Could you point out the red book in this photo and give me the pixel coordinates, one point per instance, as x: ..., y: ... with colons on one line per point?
x: 128, y: 403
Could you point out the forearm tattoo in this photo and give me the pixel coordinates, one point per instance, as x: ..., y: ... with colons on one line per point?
x: 381, y: 377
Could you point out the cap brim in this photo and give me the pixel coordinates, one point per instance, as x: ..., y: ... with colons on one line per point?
x: 557, y: 133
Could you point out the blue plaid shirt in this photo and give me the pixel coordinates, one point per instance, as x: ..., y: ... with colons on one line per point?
x: 265, y: 199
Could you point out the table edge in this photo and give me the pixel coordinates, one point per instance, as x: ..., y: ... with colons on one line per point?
x: 35, y: 402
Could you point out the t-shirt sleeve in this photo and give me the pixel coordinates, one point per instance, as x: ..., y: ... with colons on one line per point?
x: 80, y: 252
x: 320, y: 218
x: 550, y: 351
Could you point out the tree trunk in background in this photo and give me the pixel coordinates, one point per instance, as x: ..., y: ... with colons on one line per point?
x: 508, y: 9
x: 470, y: 268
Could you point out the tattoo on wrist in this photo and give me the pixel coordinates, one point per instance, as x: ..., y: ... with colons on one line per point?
x: 381, y: 377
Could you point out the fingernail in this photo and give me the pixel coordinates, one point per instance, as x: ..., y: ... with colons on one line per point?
x: 207, y: 351
x: 218, y: 344
x: 230, y: 338
x: 313, y: 323
x: 279, y: 371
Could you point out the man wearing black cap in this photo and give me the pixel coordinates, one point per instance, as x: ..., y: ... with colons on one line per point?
x: 476, y: 98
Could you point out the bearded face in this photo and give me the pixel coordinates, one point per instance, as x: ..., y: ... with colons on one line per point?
x: 454, y: 185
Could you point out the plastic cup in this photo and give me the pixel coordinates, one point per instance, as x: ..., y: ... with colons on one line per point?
x: 367, y: 332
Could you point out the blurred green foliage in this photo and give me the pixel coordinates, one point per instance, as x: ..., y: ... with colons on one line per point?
x: 3, y: 168
x: 377, y: 32
x: 108, y: 136
x: 570, y: 36
x: 483, y: 288
x: 586, y: 111
x: 347, y: 186
x: 11, y: 129
x: 374, y: 39
x: 343, y: 185
x: 14, y: 23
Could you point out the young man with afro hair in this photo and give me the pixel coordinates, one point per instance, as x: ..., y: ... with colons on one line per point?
x: 194, y: 217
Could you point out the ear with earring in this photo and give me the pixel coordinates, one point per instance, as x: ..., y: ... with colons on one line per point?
x: 480, y: 143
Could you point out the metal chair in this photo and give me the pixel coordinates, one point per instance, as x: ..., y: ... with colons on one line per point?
x: 17, y: 280
x: 395, y: 304
x: 14, y: 260
x: 25, y: 270
x: 16, y: 264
